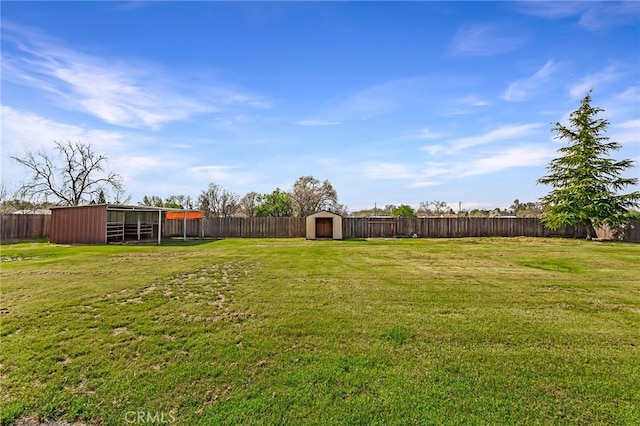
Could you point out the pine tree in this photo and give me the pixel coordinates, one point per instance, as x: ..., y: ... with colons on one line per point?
x: 585, y: 180
x: 101, y: 197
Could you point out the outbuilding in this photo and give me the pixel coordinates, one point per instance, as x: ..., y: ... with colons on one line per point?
x: 104, y: 223
x: 324, y: 224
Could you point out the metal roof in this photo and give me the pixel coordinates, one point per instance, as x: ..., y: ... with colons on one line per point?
x: 122, y: 207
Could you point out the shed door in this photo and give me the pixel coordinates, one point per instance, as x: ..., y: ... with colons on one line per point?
x: 324, y: 227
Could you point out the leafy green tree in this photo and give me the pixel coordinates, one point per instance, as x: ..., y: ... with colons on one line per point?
x: 403, y: 210
x: 585, y: 181
x: 276, y: 204
x: 634, y: 215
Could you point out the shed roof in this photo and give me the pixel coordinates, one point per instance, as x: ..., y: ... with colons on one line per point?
x: 324, y: 213
x: 122, y: 207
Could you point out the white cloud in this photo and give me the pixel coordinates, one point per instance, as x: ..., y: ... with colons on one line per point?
x: 220, y: 174
x: 522, y: 89
x: 24, y: 130
x: 434, y: 149
x: 610, y: 14
x: 428, y: 134
x: 592, y: 15
x: 484, y: 40
x: 119, y: 93
x: 630, y: 95
x: 626, y: 133
x: 228, y: 95
x: 181, y: 146
x: 423, y: 184
x: 551, y: 10
x: 432, y: 169
x: 591, y: 81
x: 520, y: 156
x: 473, y: 101
x: 631, y: 124
x: 504, y: 133
x: 317, y: 123
x: 378, y: 99
x: 143, y: 163
x: 469, y: 104
x: 389, y: 171
x: 213, y: 172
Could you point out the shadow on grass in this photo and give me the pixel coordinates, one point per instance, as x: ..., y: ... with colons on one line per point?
x: 171, y: 242
x: 14, y: 242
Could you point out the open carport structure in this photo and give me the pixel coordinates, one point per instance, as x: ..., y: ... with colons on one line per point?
x: 104, y: 223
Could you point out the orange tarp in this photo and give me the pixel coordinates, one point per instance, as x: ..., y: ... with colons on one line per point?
x: 180, y: 215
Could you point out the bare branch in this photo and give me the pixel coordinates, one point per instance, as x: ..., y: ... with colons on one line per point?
x: 73, y: 175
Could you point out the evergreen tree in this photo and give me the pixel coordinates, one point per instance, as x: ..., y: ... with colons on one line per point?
x: 101, y: 197
x: 585, y: 181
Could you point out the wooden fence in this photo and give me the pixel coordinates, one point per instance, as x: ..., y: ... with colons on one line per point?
x: 370, y: 227
x: 445, y: 227
x: 238, y: 227
x: 628, y: 232
x: 24, y: 226
x: 37, y: 226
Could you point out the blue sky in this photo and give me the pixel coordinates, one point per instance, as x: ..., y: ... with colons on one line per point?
x: 392, y: 102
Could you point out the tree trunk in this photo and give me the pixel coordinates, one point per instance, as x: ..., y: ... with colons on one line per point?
x: 590, y: 231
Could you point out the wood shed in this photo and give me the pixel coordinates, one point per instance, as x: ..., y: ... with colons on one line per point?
x: 104, y: 223
x: 324, y: 225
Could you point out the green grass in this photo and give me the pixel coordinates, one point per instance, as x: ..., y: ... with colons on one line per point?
x: 463, y: 331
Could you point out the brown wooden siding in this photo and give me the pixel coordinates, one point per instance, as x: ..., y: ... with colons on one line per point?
x: 79, y: 225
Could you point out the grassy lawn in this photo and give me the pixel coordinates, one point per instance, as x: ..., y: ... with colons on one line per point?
x: 463, y: 331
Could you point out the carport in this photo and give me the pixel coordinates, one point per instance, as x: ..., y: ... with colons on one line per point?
x: 105, y: 223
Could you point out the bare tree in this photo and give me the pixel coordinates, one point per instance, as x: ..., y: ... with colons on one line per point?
x: 310, y: 196
x: 5, y: 206
x: 388, y: 208
x: 341, y: 209
x: 436, y: 208
x: 249, y: 204
x: 24, y: 202
x: 75, y: 175
x: 217, y: 201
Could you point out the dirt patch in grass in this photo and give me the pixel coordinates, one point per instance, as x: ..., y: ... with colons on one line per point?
x: 32, y: 421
